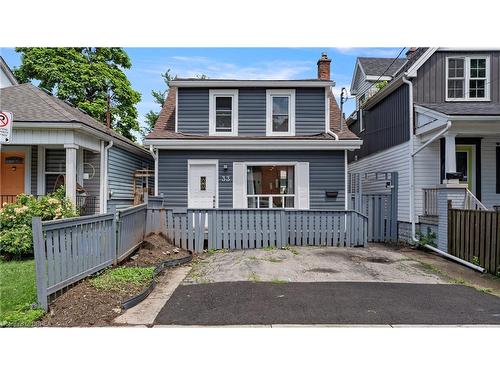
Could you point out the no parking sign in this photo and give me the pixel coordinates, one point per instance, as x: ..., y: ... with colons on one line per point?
x: 5, y: 127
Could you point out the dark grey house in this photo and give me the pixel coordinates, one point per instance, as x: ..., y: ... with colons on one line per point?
x: 54, y: 143
x: 436, y: 123
x: 252, y: 144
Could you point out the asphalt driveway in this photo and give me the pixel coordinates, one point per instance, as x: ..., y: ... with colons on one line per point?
x: 317, y: 285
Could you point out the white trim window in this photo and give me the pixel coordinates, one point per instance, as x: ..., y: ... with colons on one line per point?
x: 280, y: 112
x: 468, y: 78
x: 223, y: 117
x: 271, y: 186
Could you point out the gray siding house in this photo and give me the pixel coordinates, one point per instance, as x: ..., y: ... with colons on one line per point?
x: 251, y: 144
x: 54, y: 144
x: 437, y: 123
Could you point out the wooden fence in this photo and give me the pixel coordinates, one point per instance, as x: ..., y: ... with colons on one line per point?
x: 474, y: 235
x: 131, y: 229
x: 68, y: 250
x: 254, y: 228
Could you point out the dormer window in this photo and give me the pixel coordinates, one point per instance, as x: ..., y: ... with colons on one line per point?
x: 223, y: 106
x: 280, y: 108
x: 467, y: 78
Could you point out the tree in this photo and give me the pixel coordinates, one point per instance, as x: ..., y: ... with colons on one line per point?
x: 85, y: 77
x: 159, y: 97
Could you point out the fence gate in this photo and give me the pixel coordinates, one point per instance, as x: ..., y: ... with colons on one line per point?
x: 375, y: 195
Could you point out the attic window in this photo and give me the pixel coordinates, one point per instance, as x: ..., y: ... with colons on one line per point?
x: 280, y: 118
x: 223, y: 107
x: 467, y: 78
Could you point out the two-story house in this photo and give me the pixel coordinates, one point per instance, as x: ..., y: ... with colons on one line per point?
x: 252, y: 144
x: 437, y: 123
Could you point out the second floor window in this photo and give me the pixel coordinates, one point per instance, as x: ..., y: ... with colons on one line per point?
x: 280, y: 112
x: 467, y: 78
x: 223, y: 106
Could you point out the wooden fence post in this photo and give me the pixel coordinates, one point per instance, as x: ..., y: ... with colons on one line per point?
x: 40, y: 262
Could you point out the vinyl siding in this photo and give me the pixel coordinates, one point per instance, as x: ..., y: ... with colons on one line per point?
x: 430, y: 84
x: 385, y: 125
x: 193, y: 111
x: 326, y: 173
x: 121, y: 167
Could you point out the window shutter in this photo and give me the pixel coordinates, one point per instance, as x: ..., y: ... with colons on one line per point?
x: 239, y: 181
x: 303, y: 186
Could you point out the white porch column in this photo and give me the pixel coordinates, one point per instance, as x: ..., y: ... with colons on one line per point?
x: 450, y: 160
x: 71, y: 169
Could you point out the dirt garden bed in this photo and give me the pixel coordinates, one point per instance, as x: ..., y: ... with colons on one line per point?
x: 96, y: 301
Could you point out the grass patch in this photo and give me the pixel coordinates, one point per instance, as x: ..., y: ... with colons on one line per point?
x: 273, y: 260
x: 254, y: 277
x: 279, y: 281
x: 216, y: 251
x: 18, y: 293
x: 117, y: 279
x: 270, y: 248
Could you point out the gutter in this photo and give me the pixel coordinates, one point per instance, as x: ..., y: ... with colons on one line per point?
x: 155, y: 157
x: 106, y: 182
x: 412, y: 181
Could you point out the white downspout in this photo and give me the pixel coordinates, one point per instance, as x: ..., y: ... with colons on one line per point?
x: 412, y: 182
x: 106, y: 190
x: 155, y: 157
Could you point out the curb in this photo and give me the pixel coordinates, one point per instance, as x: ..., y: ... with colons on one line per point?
x: 133, y: 301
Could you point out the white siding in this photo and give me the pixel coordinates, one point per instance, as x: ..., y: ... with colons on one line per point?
x: 426, y: 171
x: 394, y: 159
x: 488, y: 174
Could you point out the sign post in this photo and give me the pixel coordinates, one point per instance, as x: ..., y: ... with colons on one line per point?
x: 5, y: 127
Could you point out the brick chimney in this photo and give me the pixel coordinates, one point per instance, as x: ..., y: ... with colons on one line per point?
x: 324, y: 67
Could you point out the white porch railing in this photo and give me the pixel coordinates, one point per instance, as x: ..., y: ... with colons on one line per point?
x: 472, y: 203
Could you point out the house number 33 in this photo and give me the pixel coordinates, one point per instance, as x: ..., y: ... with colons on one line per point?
x: 225, y: 179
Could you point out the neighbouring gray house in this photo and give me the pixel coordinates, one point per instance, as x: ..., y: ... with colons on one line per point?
x: 252, y: 144
x: 437, y: 123
x: 54, y: 143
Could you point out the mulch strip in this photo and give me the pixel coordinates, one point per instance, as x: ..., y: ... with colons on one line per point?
x: 86, y: 306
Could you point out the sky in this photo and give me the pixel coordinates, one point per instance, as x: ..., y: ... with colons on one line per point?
x: 238, y: 63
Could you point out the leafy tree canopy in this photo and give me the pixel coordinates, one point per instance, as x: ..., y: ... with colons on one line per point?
x: 85, y: 77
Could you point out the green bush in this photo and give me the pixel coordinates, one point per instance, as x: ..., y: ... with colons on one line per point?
x: 16, y: 238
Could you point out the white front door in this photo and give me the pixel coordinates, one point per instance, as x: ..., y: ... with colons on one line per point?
x: 202, y: 184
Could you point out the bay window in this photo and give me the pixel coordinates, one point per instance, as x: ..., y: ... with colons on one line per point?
x: 271, y: 186
x: 467, y: 78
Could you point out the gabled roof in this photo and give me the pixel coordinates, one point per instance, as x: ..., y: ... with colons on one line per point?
x: 377, y: 66
x: 5, y: 68
x: 31, y: 104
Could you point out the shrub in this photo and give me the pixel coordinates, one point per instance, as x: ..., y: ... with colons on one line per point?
x: 16, y: 239
x: 426, y: 239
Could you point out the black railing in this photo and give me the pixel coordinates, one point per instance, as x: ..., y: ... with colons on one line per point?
x: 85, y: 205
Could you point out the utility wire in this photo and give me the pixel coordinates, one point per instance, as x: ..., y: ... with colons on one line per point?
x: 386, y: 70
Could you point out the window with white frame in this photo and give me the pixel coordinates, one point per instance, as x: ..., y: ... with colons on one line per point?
x: 467, y: 78
x: 223, y: 107
x: 270, y: 186
x: 280, y: 119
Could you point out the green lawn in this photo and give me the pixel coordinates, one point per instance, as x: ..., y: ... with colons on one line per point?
x: 17, y: 293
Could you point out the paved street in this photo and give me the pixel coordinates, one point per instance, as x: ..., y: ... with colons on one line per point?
x: 243, y: 303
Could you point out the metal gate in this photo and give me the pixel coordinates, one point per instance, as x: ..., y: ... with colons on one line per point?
x: 375, y: 195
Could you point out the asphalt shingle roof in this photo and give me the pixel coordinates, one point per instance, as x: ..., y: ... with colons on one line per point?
x: 29, y: 103
x: 465, y: 108
x: 377, y: 65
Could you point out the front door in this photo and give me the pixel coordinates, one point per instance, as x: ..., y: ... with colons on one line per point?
x: 466, y: 164
x: 12, y: 177
x: 202, y: 185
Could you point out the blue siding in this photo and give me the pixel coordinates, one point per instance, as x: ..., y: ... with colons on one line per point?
x: 326, y: 173
x: 193, y: 111
x: 121, y: 167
